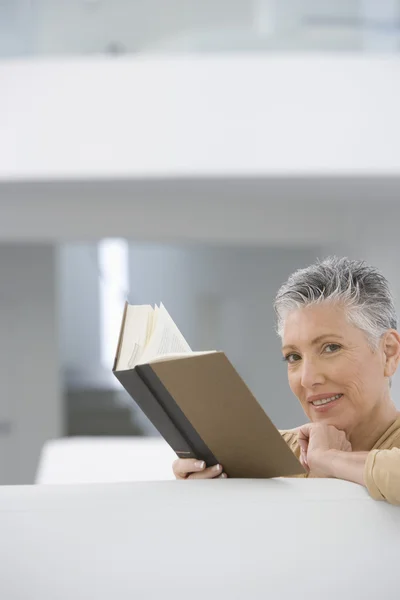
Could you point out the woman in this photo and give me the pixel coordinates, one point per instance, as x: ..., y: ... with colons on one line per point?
x: 338, y: 323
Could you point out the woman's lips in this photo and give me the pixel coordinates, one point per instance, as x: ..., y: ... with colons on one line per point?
x: 327, y: 405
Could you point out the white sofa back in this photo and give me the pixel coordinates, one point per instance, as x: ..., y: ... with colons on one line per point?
x: 221, y: 539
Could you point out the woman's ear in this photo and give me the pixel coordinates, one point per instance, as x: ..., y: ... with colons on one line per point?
x: 391, y: 348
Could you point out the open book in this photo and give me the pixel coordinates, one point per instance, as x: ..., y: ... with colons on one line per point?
x: 197, y: 400
x: 148, y: 335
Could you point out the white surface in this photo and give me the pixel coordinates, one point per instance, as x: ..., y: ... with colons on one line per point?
x: 214, y: 115
x: 223, y: 539
x: 103, y: 459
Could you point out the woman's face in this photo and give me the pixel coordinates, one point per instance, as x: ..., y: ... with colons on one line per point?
x: 332, y: 369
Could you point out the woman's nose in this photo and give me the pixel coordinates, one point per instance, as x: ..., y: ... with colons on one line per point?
x: 311, y: 374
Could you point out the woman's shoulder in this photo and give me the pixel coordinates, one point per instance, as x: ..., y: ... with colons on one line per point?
x: 394, y: 434
x: 391, y: 437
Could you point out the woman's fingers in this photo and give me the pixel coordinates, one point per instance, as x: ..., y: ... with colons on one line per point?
x: 182, y: 467
x: 303, y: 460
x: 303, y: 438
x: 303, y: 444
x: 190, y: 468
x: 304, y: 433
x: 209, y: 473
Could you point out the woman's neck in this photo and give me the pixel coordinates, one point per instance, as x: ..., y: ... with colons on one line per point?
x: 365, y: 436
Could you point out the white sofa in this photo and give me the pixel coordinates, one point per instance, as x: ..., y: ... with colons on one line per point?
x: 186, y: 540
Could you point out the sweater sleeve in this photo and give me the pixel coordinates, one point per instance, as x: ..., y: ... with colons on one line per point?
x: 382, y: 475
x: 290, y: 437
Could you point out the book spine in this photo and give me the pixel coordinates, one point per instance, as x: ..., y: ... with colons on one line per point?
x: 140, y: 393
x: 175, y: 414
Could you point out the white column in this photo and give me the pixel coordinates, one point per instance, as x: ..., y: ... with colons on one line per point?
x: 30, y: 392
x: 113, y: 293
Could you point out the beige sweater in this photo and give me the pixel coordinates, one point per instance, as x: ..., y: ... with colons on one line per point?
x: 382, y: 467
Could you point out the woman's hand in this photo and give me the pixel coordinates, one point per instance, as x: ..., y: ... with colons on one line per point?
x: 319, y: 444
x: 190, y: 468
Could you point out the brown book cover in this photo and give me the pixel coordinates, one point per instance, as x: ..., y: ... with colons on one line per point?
x: 203, y: 409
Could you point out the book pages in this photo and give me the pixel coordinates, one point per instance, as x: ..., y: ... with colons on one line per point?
x: 134, y: 335
x: 165, y: 339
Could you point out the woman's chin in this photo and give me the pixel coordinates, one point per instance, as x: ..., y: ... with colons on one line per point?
x: 338, y: 421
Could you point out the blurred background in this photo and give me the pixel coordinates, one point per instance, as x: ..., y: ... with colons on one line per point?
x: 185, y: 152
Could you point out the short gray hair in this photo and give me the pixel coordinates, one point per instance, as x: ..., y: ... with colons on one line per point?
x: 361, y: 289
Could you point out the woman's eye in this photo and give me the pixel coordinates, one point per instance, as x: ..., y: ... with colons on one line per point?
x: 331, y: 348
x: 291, y: 358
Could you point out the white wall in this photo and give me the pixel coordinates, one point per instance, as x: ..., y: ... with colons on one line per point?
x: 241, y: 115
x: 79, y: 312
x: 30, y: 397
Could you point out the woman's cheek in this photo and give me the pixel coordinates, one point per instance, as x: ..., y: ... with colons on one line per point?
x: 338, y: 372
x: 296, y: 388
x: 294, y: 383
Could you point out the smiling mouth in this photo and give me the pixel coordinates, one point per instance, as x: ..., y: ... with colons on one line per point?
x: 326, y: 400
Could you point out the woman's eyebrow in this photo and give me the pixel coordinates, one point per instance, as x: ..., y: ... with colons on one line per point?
x: 326, y: 335
x: 315, y: 341
x: 288, y: 347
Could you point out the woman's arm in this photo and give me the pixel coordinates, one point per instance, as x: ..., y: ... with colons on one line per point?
x: 378, y: 471
x: 382, y: 475
x: 345, y: 465
x: 326, y: 455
